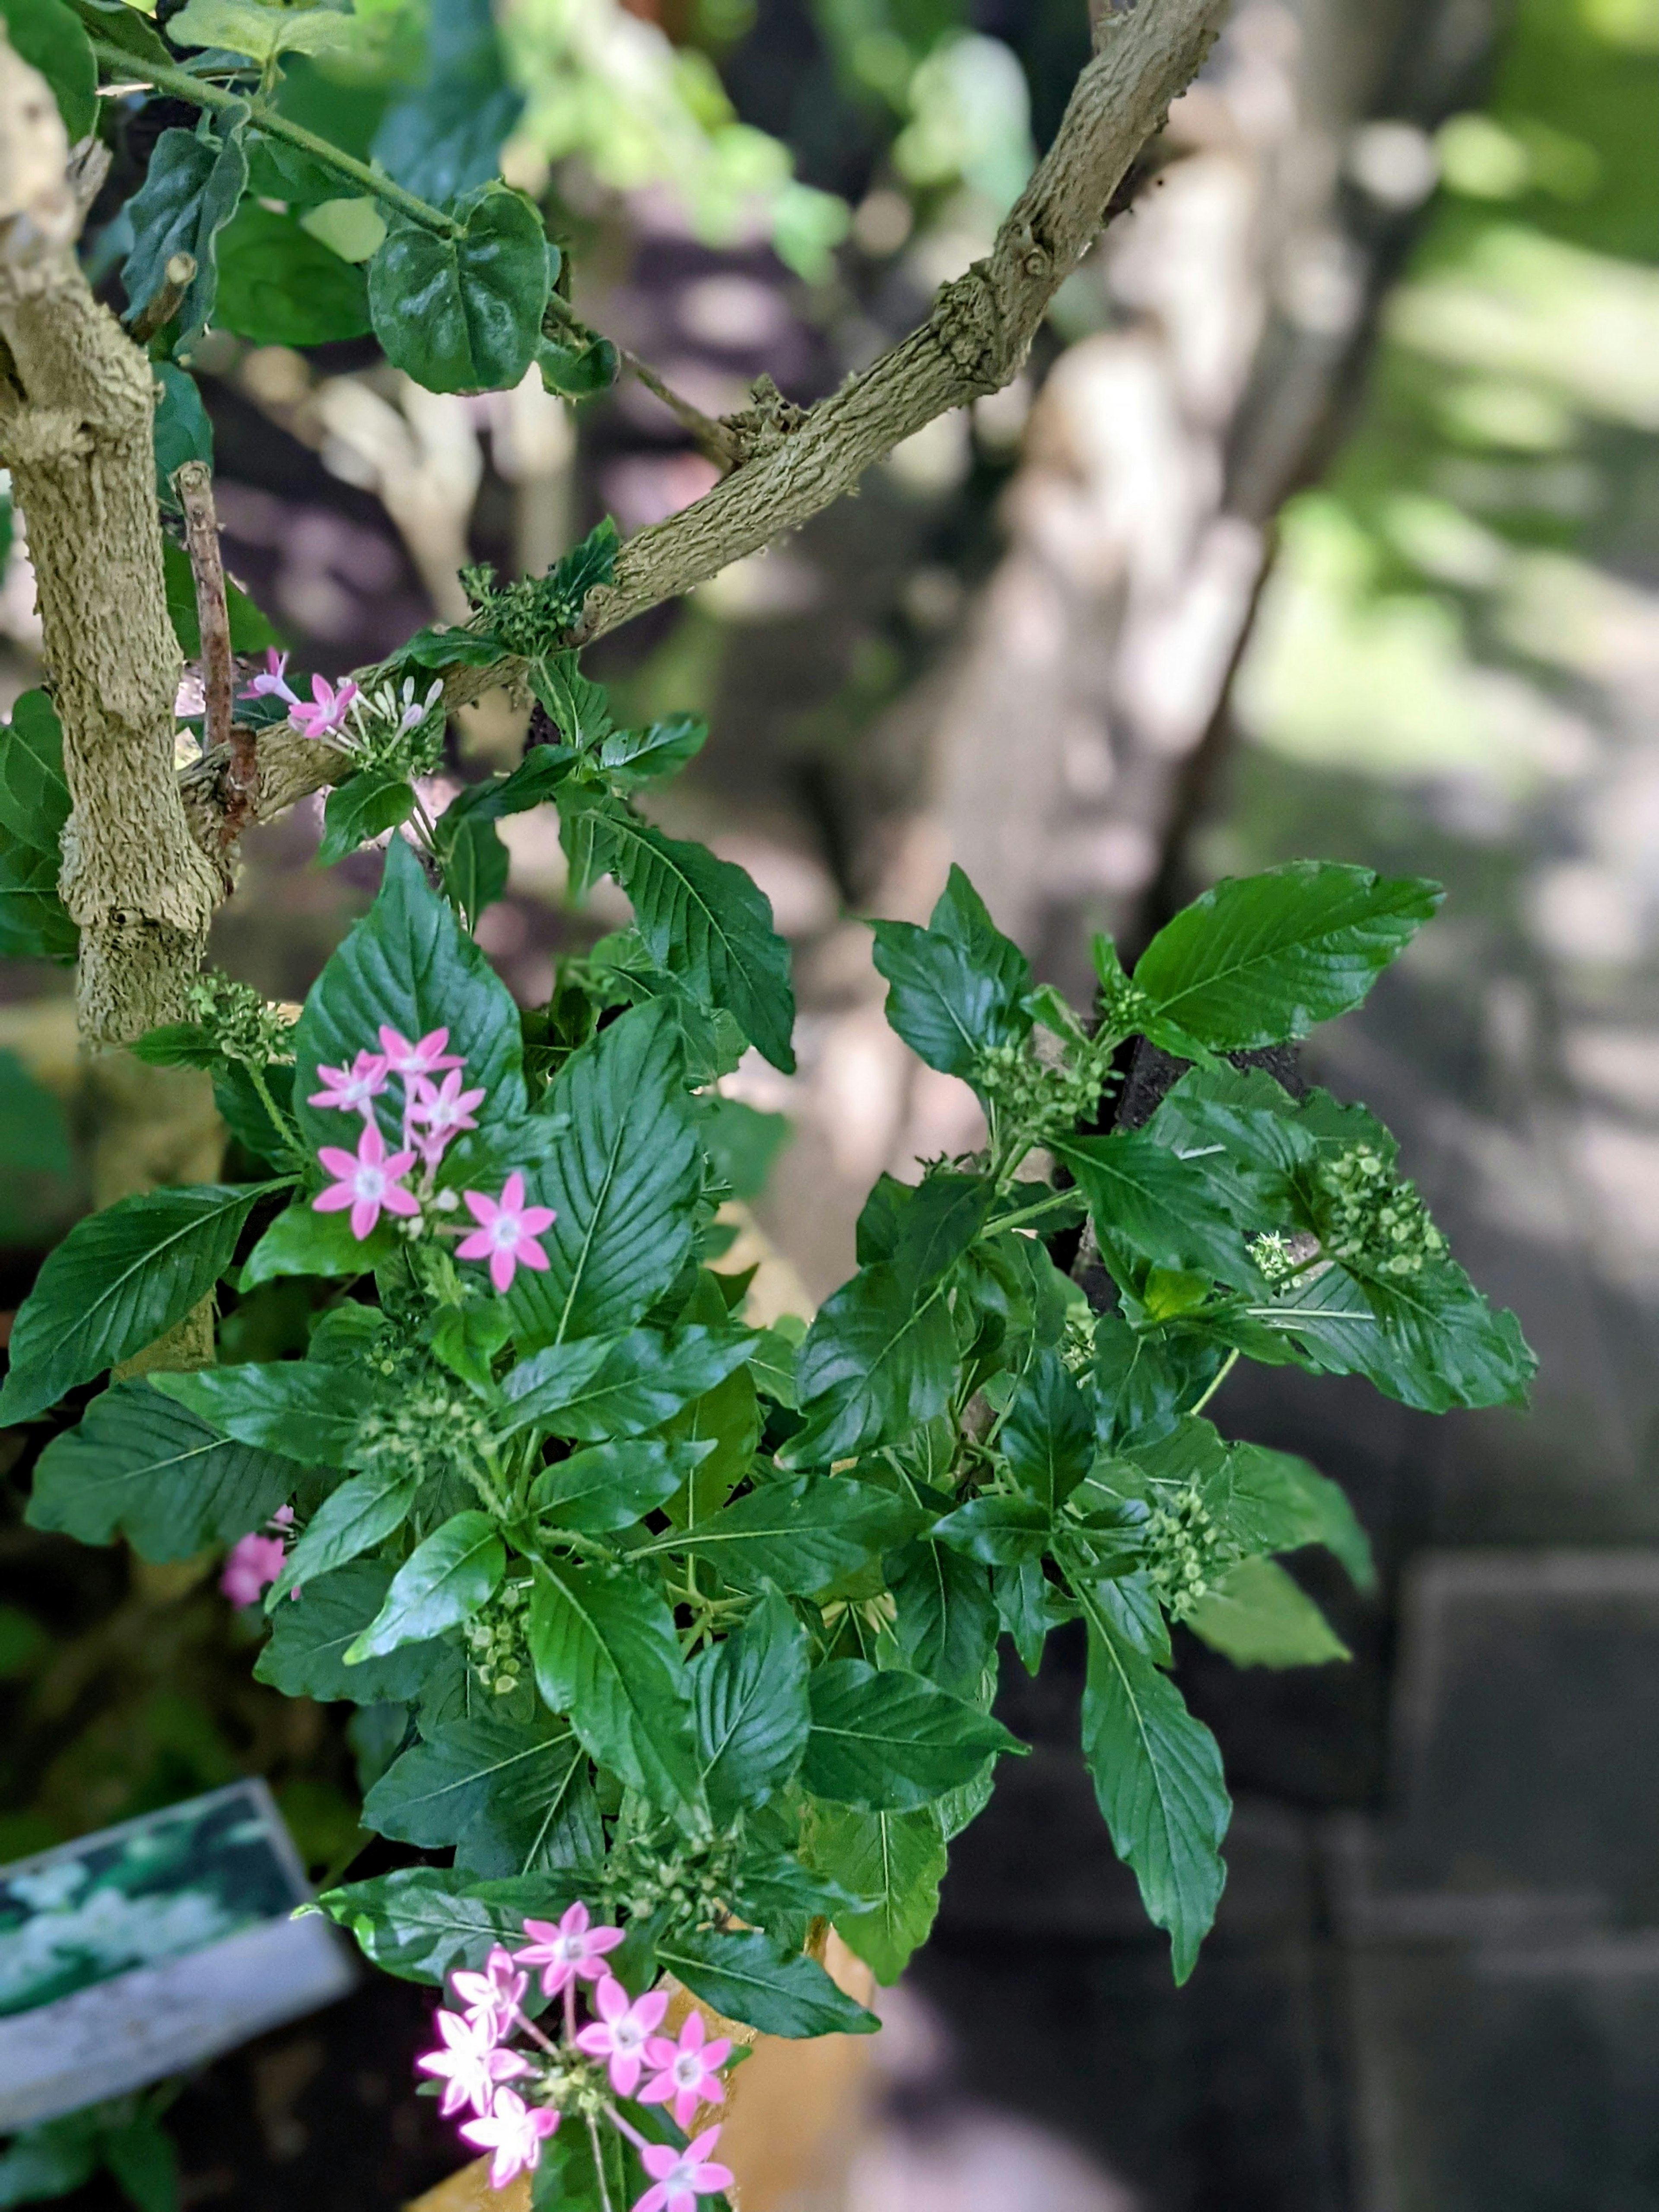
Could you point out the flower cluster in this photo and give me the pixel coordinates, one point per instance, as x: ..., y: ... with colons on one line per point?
x: 255, y: 1560
x: 241, y: 1021
x: 1367, y: 1218
x: 1184, y: 1550
x: 494, y: 1639
x: 380, y: 728
x: 373, y: 1181
x: 1038, y: 1096
x: 619, y: 2053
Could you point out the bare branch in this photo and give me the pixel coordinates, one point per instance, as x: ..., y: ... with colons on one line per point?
x: 795, y: 463
x: 163, y: 304
x: 193, y: 482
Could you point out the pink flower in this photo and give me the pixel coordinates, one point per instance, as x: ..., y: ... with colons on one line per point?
x: 272, y: 679
x: 515, y: 2131
x: 492, y: 1997
x: 690, y: 2075
x: 622, y: 2031
x: 678, y: 2177
x: 254, y: 1563
x: 445, y: 1108
x: 472, y: 2061
x: 425, y: 1058
x: 367, y: 1180
x: 351, y: 1088
x: 567, y: 1949
x: 507, y: 1233
x: 324, y: 714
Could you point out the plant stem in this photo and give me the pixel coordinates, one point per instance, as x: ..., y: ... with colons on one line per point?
x: 165, y: 78
x: 599, y: 2164
x: 1226, y: 1369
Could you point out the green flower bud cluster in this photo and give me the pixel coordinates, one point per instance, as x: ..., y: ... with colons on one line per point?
x: 569, y: 2082
x: 1184, y: 1552
x: 1368, y: 1218
x: 240, y: 1021
x: 1035, y: 1096
x: 531, y: 615
x: 644, y: 1874
x: 433, y: 1431
x: 496, y: 1640
x: 401, y: 728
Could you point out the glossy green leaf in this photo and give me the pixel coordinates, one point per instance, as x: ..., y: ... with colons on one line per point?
x: 350, y: 1521
x: 50, y: 37
x: 744, y: 1975
x: 613, y: 1485
x: 285, y: 1405
x: 120, y: 1279
x: 748, y: 1695
x: 578, y: 370
x: 895, y: 1859
x: 801, y: 1535
x: 957, y: 987
x: 183, y: 432
x: 1048, y: 1436
x: 116, y: 23
x: 442, y: 1582
x: 463, y: 312
x: 34, y: 795
x: 623, y: 1182
x: 141, y: 1467
x: 1262, y: 958
x: 633, y: 758
x: 606, y: 1652
x: 302, y: 1241
x: 34, y: 923
x: 1272, y: 1501
x: 946, y: 1625
x: 365, y: 806
x: 408, y: 964
x: 516, y: 1778
x: 278, y: 285
x: 305, y: 1656
x: 1158, y: 1776
x: 191, y: 191
x: 879, y: 1359
x: 446, y: 136
x: 890, y: 1741
x: 262, y: 30
x: 997, y: 1530
x: 1150, y: 1199
x: 475, y: 866
x: 636, y: 1381
x: 422, y: 1922
x: 1256, y: 1616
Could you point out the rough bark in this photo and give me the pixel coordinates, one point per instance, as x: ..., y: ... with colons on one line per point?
x: 77, y: 405
x: 974, y: 342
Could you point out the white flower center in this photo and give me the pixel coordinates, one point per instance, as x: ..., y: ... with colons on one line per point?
x: 504, y: 1232
x: 371, y: 1184
x: 627, y: 2034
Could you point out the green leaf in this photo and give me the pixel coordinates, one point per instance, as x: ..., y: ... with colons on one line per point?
x: 1261, y: 959
x: 958, y: 987
x: 50, y: 37
x: 308, y: 1411
x: 746, y: 1975
x: 1047, y: 1436
x: 49, y: 2160
x: 34, y: 923
x: 801, y: 1535
x: 466, y: 1339
x: 1158, y: 1776
x: 946, y: 1625
x: 120, y: 1279
x: 183, y: 432
x: 577, y: 371
x: 463, y: 312
x: 261, y: 31
x: 442, y: 1582
x: 1150, y: 1199
x: 879, y: 1359
x: 422, y: 1922
x: 476, y: 865
x: 744, y: 1144
x: 305, y: 1657
x: 409, y: 964
x: 895, y: 1859
x: 302, y: 1241
x: 705, y: 920
x: 594, y: 1388
x: 749, y: 1696
x: 189, y: 192
x: 34, y: 795
x: 724, y: 1424
x: 349, y: 1521
x: 363, y: 807
x: 1256, y: 1616
x: 513, y: 1777
x: 141, y: 1467
x: 279, y: 285
x: 633, y: 758
x: 118, y: 24
x: 999, y: 1532
x: 606, y: 1652
x: 141, y: 2157
x: 623, y: 1183
x: 1272, y: 1501
x: 890, y: 1741
x: 250, y: 631
x: 446, y: 137
x: 613, y: 1484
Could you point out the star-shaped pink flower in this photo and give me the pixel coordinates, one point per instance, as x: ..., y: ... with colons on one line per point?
x: 444, y: 1109
x: 366, y: 1180
x: 425, y: 1057
x: 506, y: 1235
x: 567, y: 1949
x: 272, y: 679
x: 622, y: 2031
x: 472, y: 2063
x: 678, y: 2177
x: 689, y: 2074
x: 492, y: 1997
x: 351, y: 1088
x: 515, y: 2131
x: 254, y: 1563
x: 324, y: 714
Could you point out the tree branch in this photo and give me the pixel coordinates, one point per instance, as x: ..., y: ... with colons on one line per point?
x: 193, y: 482
x: 974, y: 341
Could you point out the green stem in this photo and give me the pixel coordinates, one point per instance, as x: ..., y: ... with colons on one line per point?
x: 1031, y: 1212
x: 165, y: 78
x: 278, y: 1119
x: 1226, y: 1369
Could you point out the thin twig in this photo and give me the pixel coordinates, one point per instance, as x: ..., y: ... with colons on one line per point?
x: 711, y: 437
x: 163, y: 305
x: 194, y: 484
